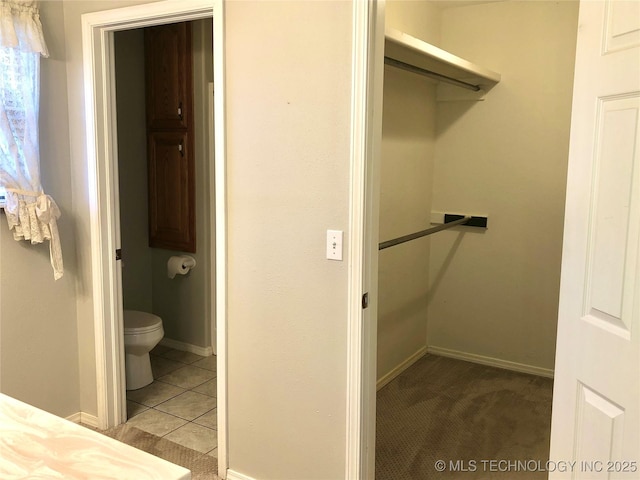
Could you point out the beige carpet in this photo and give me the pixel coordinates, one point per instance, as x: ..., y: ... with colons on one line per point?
x: 202, y: 466
x: 461, y: 413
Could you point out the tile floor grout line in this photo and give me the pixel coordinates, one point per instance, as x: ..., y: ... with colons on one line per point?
x: 180, y: 364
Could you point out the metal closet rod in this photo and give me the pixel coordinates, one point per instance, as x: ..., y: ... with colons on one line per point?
x: 422, y: 233
x: 428, y: 73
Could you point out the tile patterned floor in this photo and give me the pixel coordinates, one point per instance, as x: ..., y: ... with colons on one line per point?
x: 180, y: 404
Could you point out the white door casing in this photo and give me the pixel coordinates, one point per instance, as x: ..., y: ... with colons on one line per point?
x: 596, y: 397
x: 100, y: 128
x: 366, y: 135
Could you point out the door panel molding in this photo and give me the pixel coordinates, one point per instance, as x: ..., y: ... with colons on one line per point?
x: 596, y: 408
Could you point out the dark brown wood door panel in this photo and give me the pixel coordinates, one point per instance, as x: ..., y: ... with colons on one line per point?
x: 170, y: 130
x: 171, y: 191
x: 169, y: 76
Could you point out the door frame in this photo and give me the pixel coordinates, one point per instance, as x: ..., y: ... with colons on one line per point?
x: 101, y: 141
x: 366, y: 138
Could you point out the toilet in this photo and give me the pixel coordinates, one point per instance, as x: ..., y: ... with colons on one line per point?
x: 142, y: 332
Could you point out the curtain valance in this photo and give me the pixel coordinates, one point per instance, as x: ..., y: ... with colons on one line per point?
x: 20, y: 27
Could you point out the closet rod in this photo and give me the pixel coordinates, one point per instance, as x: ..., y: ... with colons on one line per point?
x: 422, y: 233
x: 428, y: 73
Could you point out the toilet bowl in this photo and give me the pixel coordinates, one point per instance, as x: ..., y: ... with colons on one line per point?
x: 142, y: 332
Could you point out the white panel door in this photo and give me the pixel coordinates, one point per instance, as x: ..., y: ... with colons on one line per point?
x: 596, y: 398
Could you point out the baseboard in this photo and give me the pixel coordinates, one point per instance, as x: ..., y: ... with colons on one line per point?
x: 75, y: 418
x: 401, y: 368
x: 490, y: 361
x: 89, y: 419
x: 84, y: 418
x: 187, y: 347
x: 231, y: 475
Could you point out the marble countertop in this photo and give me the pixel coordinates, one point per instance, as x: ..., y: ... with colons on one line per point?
x: 37, y: 445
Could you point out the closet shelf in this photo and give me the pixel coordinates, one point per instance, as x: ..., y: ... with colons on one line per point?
x: 410, y: 53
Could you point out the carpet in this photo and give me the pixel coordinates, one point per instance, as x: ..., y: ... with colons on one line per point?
x: 202, y: 466
x: 480, y: 422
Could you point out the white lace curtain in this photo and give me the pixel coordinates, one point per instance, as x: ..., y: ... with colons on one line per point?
x: 31, y: 213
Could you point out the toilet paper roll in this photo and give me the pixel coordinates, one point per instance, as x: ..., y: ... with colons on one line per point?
x: 180, y: 265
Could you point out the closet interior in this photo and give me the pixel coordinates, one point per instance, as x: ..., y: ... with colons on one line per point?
x: 476, y: 117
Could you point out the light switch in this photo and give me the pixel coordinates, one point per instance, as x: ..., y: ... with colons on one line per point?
x: 334, y: 244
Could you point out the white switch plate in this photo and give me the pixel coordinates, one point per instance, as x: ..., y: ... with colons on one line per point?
x: 334, y: 244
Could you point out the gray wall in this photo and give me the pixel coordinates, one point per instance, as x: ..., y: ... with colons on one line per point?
x: 38, y: 339
x: 183, y: 303
x: 132, y: 171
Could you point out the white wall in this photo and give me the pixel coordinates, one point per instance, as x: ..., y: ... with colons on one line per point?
x: 288, y: 122
x: 39, y: 349
x: 408, y: 141
x: 495, y: 294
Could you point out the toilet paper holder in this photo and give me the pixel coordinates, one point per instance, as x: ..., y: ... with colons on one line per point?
x: 180, y: 265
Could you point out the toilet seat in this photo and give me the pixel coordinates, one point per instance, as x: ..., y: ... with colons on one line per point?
x: 136, y: 322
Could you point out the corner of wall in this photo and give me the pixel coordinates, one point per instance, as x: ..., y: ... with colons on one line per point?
x: 420, y: 19
x: 407, y: 156
x: 495, y: 294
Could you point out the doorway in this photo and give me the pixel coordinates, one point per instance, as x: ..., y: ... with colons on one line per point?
x: 182, y: 363
x: 478, y: 296
x: 98, y: 47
